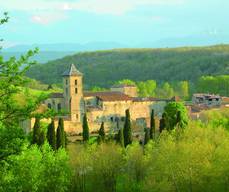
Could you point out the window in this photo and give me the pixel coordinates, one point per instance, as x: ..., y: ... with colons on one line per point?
x: 75, y: 82
x: 49, y: 105
x: 112, y: 119
x: 66, y: 90
x: 76, y: 90
x: 66, y: 81
x: 77, y: 116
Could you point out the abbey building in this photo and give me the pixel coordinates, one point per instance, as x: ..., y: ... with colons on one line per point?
x: 107, y: 106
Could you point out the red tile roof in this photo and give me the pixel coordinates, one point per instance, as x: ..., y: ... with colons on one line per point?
x: 109, y: 96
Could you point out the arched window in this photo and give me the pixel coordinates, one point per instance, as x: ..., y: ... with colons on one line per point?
x: 76, y: 82
x: 76, y: 90
x: 49, y: 105
x: 59, y: 106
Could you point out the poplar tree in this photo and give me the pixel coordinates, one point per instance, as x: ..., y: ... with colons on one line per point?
x: 51, y: 136
x: 152, y: 125
x: 60, y: 134
x: 102, y: 132
x: 85, y: 128
x: 127, y: 132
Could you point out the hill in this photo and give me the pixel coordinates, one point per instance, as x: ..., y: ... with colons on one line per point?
x: 41, y: 57
x: 102, y: 68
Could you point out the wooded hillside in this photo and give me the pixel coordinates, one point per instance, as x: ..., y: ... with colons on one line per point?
x: 102, y: 68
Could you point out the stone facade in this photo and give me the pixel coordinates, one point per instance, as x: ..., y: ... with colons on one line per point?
x: 108, y: 107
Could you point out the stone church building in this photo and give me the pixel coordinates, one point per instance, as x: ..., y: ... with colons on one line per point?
x: 107, y: 106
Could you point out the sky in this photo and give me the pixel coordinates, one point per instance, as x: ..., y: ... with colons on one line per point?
x: 129, y: 22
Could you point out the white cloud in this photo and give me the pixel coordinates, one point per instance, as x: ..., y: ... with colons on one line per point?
x: 114, y: 7
x: 47, y: 18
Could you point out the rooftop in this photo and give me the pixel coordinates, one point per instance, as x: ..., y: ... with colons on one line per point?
x: 108, y: 96
x: 72, y: 71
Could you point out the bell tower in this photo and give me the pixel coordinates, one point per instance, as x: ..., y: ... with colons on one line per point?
x: 73, y: 93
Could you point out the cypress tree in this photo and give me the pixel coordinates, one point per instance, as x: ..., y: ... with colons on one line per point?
x: 85, y: 128
x: 102, y: 132
x: 152, y: 125
x: 60, y: 134
x: 41, y: 139
x: 127, y: 132
x: 65, y: 139
x: 162, y: 122
x: 51, y: 135
x: 178, y: 120
x: 147, y: 136
x: 120, y: 137
x: 36, y: 131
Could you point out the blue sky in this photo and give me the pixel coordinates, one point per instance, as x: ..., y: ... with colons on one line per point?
x: 128, y: 22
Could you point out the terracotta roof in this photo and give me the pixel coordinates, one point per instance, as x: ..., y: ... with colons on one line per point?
x: 72, y: 71
x: 56, y: 95
x: 109, y: 96
x: 225, y: 99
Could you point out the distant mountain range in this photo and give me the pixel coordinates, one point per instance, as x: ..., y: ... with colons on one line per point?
x: 50, y: 52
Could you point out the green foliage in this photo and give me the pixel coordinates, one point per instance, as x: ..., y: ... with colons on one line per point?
x: 125, y: 82
x: 51, y: 136
x: 214, y: 84
x: 36, y: 132
x: 60, y: 134
x: 120, y: 137
x: 97, y: 89
x: 168, y: 64
x: 102, y: 132
x: 37, y: 170
x: 12, y: 141
x: 162, y: 123
x: 127, y: 131
x: 197, y: 161
x: 147, y: 136
x: 25, y: 167
x: 85, y: 128
x: 182, y: 89
x: 176, y: 114
x: 152, y: 125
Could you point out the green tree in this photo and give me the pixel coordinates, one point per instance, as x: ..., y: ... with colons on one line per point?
x: 120, y: 137
x: 51, y: 136
x: 175, y: 112
x: 36, y: 131
x: 147, y: 135
x: 162, y: 123
x: 102, y: 132
x: 127, y: 131
x: 85, y: 128
x: 60, y: 134
x: 183, y: 89
x: 152, y: 125
x: 125, y: 82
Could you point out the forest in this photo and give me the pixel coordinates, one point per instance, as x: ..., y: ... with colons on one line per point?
x: 161, y: 65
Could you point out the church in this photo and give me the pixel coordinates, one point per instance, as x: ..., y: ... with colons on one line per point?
x: 106, y: 106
